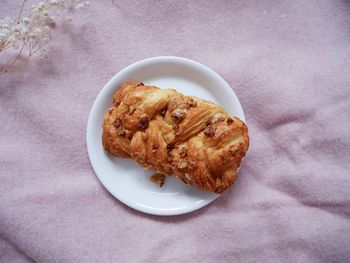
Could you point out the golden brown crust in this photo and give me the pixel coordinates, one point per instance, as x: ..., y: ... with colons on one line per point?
x: 193, y: 139
x: 158, y: 179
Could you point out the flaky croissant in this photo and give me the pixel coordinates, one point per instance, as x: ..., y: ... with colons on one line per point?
x: 188, y: 137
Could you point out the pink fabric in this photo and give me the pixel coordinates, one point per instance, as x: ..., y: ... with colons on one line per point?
x: 288, y: 62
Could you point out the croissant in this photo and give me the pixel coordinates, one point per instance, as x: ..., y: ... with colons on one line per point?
x: 174, y: 134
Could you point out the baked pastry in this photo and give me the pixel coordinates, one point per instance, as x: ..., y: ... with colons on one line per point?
x: 190, y: 138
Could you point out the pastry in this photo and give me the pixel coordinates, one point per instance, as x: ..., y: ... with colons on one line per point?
x: 175, y: 135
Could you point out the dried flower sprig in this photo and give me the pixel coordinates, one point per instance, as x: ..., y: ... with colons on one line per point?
x: 29, y: 35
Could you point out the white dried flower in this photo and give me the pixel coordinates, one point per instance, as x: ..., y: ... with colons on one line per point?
x: 80, y: 5
x: 25, y: 20
x: 51, y: 19
x: 37, y: 31
x: 5, y: 23
x: 30, y: 34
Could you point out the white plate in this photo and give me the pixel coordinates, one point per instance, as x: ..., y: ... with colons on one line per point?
x: 126, y: 180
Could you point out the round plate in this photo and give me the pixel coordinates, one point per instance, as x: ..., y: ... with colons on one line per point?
x: 125, y: 179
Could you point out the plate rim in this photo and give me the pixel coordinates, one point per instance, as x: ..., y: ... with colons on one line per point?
x: 119, y: 74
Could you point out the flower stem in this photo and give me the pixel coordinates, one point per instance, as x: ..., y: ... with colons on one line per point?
x: 20, y: 12
x: 16, y: 57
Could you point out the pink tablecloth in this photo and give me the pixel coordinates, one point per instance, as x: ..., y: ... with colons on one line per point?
x: 289, y: 63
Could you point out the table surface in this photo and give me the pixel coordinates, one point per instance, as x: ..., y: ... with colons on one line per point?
x: 288, y: 62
